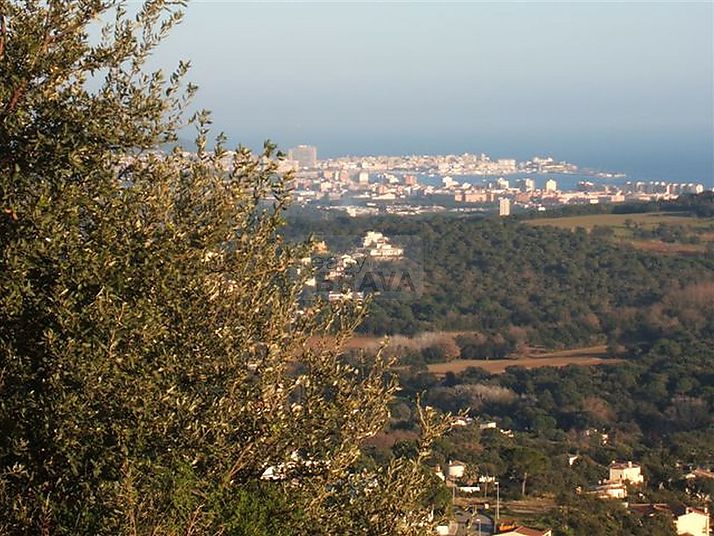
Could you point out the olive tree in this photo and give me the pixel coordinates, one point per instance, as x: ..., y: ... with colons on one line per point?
x: 159, y: 373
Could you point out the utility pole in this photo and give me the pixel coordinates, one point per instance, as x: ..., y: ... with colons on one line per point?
x: 498, y: 500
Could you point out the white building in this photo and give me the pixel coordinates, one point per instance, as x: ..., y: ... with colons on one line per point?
x: 448, y: 182
x: 503, y: 184
x: 333, y: 297
x: 378, y: 246
x: 456, y: 469
x: 692, y: 521
x: 526, y: 185
x: 551, y: 185
x: 626, y: 472
x: 461, y: 421
x: 304, y: 155
x: 504, y: 207
x: 372, y: 239
x: 687, y: 521
x: 611, y: 490
x: 386, y: 252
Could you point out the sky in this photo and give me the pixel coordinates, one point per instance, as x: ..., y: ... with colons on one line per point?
x: 613, y: 85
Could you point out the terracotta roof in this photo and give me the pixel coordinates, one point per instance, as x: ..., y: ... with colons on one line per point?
x: 703, y: 473
x: 648, y: 509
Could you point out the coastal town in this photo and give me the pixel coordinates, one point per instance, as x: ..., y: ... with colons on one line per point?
x: 460, y: 183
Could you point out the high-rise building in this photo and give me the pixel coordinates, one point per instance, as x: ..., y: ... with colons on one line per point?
x: 503, y: 184
x: 363, y: 178
x: 304, y: 155
x: 448, y: 182
x: 504, y: 207
x: 551, y: 185
x: 526, y: 185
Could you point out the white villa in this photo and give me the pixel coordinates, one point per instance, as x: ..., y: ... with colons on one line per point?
x: 377, y: 246
x: 626, y: 472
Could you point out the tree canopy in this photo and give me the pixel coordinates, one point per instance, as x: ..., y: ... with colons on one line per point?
x: 158, y: 374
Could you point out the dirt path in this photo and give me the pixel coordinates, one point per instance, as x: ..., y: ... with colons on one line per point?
x: 587, y: 356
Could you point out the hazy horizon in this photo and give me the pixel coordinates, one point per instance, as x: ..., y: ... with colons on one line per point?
x: 617, y: 86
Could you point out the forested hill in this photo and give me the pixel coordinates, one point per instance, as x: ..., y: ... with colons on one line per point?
x: 535, y: 285
x: 505, y: 286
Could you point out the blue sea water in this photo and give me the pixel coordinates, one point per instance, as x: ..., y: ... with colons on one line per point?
x: 682, y: 157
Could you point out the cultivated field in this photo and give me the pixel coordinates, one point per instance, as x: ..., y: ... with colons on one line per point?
x: 668, y: 248
x: 591, y: 355
x: 585, y: 356
x: 646, y: 220
x: 623, y: 225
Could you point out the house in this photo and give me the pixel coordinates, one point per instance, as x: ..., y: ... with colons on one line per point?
x: 333, y: 297
x: 456, y: 469
x: 377, y: 246
x: 626, y: 472
x: 699, y: 473
x: 461, y: 421
x: 386, y: 251
x: 687, y: 521
x: 649, y: 509
x: 373, y: 239
x: 692, y: 521
x: 611, y: 490
x: 527, y: 531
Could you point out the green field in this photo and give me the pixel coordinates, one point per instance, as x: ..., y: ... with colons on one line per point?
x: 646, y: 219
x: 624, y: 227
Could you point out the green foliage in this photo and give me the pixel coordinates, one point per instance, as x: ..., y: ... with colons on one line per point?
x: 655, y: 406
x: 525, y: 462
x: 581, y: 516
x: 155, y: 359
x: 508, y: 284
